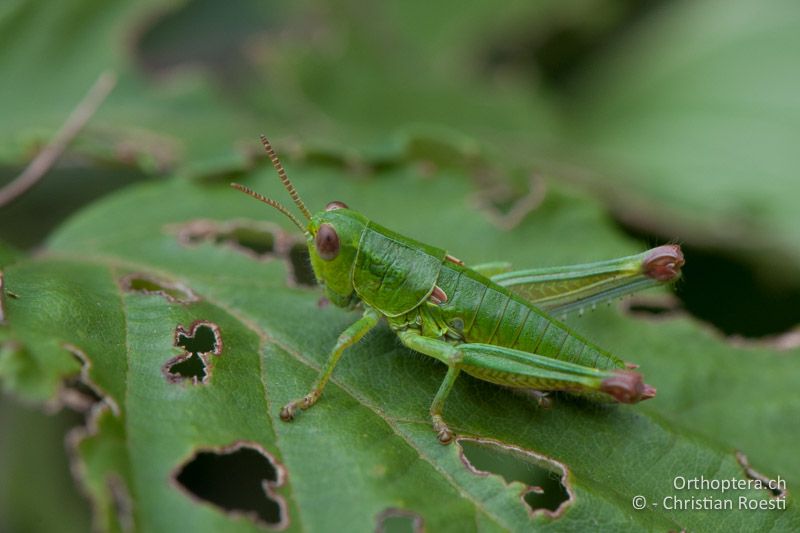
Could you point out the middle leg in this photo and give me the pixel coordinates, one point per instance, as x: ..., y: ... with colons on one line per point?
x: 449, y: 355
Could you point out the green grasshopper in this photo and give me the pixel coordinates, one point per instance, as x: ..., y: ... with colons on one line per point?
x: 485, y: 321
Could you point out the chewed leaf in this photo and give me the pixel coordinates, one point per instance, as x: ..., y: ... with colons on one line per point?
x: 372, y: 421
x: 545, y: 482
x: 200, y: 342
x: 240, y: 479
x: 147, y: 284
x: 178, y: 317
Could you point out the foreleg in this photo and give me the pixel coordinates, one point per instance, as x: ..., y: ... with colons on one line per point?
x: 350, y: 336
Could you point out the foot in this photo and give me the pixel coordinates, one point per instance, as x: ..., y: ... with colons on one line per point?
x: 443, y: 432
x: 543, y: 399
x: 288, y: 410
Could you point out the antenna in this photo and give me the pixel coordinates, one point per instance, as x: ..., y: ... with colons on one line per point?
x: 284, y: 178
x: 270, y: 201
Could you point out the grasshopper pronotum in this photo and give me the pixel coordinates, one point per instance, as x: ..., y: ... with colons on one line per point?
x: 482, y: 320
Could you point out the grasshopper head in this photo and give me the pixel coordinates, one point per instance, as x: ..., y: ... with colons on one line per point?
x: 333, y: 239
x: 333, y: 236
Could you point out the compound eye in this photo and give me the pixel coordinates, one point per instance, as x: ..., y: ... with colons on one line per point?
x: 335, y: 205
x: 327, y: 242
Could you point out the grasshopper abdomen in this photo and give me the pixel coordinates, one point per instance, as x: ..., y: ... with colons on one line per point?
x: 492, y: 314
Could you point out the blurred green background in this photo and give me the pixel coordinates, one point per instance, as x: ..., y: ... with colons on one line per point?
x: 681, y: 117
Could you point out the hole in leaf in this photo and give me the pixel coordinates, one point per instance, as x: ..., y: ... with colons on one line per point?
x: 394, y: 520
x: 302, y: 273
x: 77, y: 395
x: 259, y: 240
x: 240, y: 480
x: 732, y: 292
x: 146, y: 284
x: 190, y: 367
x: 123, y: 505
x: 201, y: 341
x: 545, y: 480
x: 202, y: 337
x: 79, y: 391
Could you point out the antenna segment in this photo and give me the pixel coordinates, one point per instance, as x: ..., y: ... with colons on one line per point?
x: 270, y: 201
x: 284, y: 178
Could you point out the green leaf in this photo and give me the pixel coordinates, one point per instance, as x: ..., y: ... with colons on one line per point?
x: 692, y: 120
x: 182, y: 103
x: 32, y: 437
x: 120, y: 289
x: 52, y: 55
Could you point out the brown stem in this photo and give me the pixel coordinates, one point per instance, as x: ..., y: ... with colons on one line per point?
x: 45, y: 159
